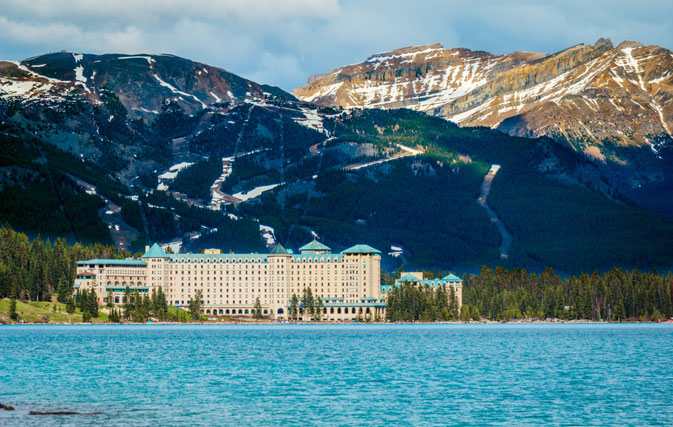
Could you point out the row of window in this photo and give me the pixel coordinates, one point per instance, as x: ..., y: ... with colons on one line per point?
x: 332, y: 310
x: 251, y: 260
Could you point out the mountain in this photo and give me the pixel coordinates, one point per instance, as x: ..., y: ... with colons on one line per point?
x: 601, y: 100
x: 80, y: 131
x: 141, y: 82
x: 82, y: 159
x: 589, y: 92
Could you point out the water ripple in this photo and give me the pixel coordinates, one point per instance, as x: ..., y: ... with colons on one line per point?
x: 339, y: 375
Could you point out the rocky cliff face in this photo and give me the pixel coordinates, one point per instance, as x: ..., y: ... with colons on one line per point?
x: 141, y: 82
x: 598, y: 98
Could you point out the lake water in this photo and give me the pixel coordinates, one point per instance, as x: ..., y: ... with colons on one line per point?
x: 339, y: 375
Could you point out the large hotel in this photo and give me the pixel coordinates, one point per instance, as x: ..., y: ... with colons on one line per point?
x: 349, y: 282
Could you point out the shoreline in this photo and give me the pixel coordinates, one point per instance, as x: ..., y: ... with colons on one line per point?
x: 272, y: 323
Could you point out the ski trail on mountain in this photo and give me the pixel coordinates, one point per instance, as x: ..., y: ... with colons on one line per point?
x: 216, y: 193
x: 485, y: 189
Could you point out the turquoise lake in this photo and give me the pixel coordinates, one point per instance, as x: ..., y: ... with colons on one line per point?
x: 389, y: 375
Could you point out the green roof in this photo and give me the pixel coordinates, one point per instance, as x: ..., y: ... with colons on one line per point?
x: 361, y: 249
x: 155, y: 252
x: 326, y: 257
x: 279, y: 250
x: 314, y: 246
x: 112, y: 262
x: 216, y: 257
x: 429, y: 282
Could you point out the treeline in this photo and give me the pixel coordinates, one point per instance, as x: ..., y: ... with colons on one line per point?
x: 410, y: 302
x: 35, y: 270
x: 306, y: 307
x: 613, y: 296
x: 87, y: 301
x: 139, y: 308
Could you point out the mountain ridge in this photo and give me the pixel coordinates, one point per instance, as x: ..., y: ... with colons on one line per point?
x: 140, y: 80
x: 384, y: 77
x: 612, y: 103
x: 265, y: 167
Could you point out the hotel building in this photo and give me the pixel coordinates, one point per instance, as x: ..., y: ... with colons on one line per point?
x: 450, y: 281
x: 348, y: 282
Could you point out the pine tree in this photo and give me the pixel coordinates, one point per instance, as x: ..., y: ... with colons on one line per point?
x: 86, y: 316
x: 195, y: 306
x: 465, y: 314
x: 474, y: 313
x: 319, y: 308
x: 114, y: 316
x: 308, y: 303
x: 294, y: 309
x: 257, y: 311
x: 129, y: 306
x: 70, y: 305
x: 62, y: 290
x: 141, y: 306
x: 110, y: 299
x: 93, y: 303
x: 154, y: 302
x: 163, y: 303
x: 12, y: 310
x: 79, y: 300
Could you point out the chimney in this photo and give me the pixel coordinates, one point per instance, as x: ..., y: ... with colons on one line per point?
x: 147, y: 248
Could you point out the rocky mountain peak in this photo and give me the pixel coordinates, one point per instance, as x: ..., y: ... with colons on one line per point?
x: 141, y: 81
x: 603, y: 42
x: 630, y: 44
x: 584, y: 95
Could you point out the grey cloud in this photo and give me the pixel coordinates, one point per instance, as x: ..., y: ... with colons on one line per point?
x: 282, y: 42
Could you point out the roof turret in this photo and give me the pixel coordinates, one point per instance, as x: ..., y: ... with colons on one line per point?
x: 155, y: 252
x: 279, y: 250
x: 361, y: 249
x: 314, y: 247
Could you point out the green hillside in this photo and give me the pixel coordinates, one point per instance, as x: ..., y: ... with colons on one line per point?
x: 555, y: 203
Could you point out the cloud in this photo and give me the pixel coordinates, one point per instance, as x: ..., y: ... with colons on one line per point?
x: 282, y: 42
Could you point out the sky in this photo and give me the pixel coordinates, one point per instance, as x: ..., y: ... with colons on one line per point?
x: 282, y: 42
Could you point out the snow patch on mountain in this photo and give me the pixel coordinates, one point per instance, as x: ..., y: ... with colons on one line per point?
x: 311, y: 120
x: 25, y: 88
x: 174, y: 90
x: 325, y: 91
x: 217, y: 98
x: 80, y: 79
x: 149, y: 59
x: 244, y: 196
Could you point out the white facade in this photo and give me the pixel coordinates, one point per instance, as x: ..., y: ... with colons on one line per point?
x: 348, y: 282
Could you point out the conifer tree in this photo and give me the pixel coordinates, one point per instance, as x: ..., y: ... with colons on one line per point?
x: 110, y: 299
x: 318, y: 309
x: 257, y: 311
x: 163, y: 303
x: 453, y: 304
x: 154, y: 302
x: 308, y: 303
x: 129, y: 306
x: 294, y: 307
x: 195, y: 306
x: 12, y: 310
x: 465, y: 313
x: 474, y: 313
x: 70, y: 305
x: 93, y: 303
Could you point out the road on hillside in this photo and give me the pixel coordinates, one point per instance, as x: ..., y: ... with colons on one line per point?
x: 485, y: 189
